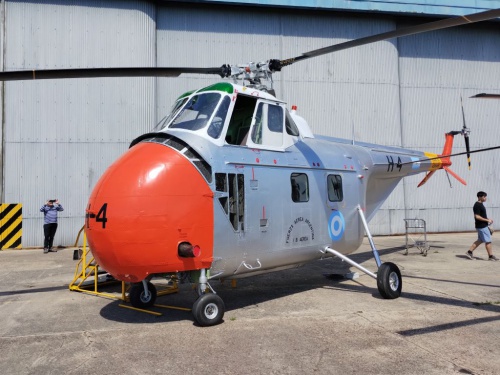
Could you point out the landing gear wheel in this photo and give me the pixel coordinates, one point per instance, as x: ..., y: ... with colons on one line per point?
x: 208, y: 310
x: 138, y: 297
x: 426, y: 249
x: 389, y: 282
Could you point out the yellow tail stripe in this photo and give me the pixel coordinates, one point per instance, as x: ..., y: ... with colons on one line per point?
x: 435, y: 163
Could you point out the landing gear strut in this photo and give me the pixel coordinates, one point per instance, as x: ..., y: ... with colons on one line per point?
x: 142, y: 295
x: 389, y: 282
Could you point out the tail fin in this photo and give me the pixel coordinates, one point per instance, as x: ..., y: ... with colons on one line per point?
x: 443, y: 161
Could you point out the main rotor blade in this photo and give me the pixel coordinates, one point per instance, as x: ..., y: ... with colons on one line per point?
x: 102, y: 72
x: 487, y: 96
x: 431, y: 26
x: 450, y: 155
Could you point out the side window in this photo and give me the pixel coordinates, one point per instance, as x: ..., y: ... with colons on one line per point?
x: 335, y: 193
x: 300, y: 187
x: 257, y: 128
x: 290, y: 126
x: 231, y: 187
x: 267, y: 129
x: 275, y: 119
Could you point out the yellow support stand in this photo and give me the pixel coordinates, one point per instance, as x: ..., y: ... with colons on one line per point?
x: 78, y: 236
x: 87, y: 268
x: 141, y: 310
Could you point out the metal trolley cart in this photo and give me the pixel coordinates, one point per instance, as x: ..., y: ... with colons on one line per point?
x: 416, y: 235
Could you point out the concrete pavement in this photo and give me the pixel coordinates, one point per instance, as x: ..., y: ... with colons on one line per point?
x: 447, y: 320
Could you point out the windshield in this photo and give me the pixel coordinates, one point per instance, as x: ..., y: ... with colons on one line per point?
x: 215, y: 128
x: 195, y: 114
x: 175, y: 109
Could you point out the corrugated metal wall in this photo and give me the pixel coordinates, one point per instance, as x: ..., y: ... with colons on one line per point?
x: 59, y: 136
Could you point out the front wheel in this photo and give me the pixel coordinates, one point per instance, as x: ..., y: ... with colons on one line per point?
x: 138, y: 297
x: 389, y: 281
x: 208, y: 310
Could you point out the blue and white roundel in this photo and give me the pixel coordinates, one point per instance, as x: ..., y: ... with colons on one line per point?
x: 336, y: 225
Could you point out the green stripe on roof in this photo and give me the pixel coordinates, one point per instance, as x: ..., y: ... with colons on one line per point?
x: 221, y: 86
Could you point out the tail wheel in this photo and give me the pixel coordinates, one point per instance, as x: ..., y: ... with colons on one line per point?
x: 139, y: 298
x: 208, y: 310
x: 389, y: 281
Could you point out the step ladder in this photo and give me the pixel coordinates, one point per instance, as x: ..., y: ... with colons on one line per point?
x: 90, y: 279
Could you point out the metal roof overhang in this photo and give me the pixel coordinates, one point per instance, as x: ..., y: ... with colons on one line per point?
x: 405, y: 7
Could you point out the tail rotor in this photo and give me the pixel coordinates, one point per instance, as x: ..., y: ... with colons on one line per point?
x: 444, y: 157
x: 465, y: 133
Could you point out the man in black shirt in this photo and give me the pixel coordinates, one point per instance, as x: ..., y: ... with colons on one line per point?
x: 483, y: 232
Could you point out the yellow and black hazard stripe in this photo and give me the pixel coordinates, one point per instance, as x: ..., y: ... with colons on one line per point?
x: 11, y: 225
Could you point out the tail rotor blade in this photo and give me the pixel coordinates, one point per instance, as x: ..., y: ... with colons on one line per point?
x: 465, y: 133
x: 467, y: 149
x: 426, y: 178
x: 460, y: 179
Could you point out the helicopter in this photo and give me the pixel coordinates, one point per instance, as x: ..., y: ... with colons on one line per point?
x: 232, y: 184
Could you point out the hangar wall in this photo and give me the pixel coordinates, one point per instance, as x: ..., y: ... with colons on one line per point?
x: 59, y: 136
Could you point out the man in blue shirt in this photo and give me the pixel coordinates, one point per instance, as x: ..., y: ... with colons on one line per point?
x: 50, y: 209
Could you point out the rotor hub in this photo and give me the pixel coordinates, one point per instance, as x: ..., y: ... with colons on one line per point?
x: 258, y: 75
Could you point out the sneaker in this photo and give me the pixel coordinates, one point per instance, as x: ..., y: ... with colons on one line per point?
x: 45, y: 251
x: 52, y: 250
x: 492, y: 257
x: 469, y: 255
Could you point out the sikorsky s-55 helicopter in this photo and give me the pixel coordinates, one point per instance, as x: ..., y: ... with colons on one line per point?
x: 232, y: 184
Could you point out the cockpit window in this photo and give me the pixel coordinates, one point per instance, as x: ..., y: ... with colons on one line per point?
x: 215, y: 128
x: 196, y: 112
x: 173, y: 112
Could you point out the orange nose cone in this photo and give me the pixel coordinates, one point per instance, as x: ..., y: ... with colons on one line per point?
x: 147, y: 203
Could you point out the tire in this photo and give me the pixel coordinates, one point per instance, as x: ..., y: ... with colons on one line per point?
x: 389, y: 282
x: 138, y: 298
x: 208, y: 310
